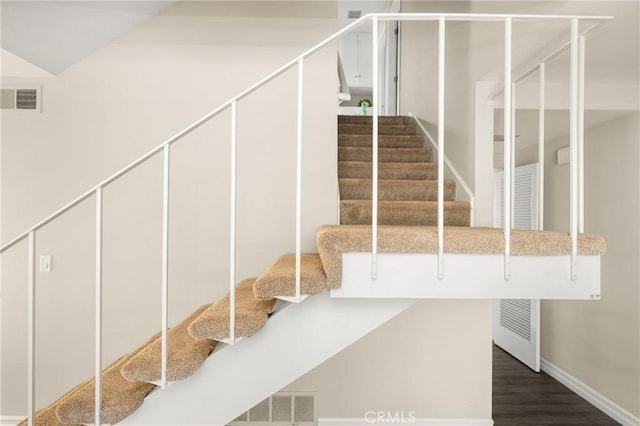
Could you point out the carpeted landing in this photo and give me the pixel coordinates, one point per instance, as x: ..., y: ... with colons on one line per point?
x: 407, y: 211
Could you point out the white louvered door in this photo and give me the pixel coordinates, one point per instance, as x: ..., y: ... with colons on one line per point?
x: 516, y: 322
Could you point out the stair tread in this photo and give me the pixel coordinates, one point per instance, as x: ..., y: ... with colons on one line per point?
x: 383, y: 129
x: 280, y: 278
x: 368, y: 119
x: 384, y: 141
x: 395, y: 190
x: 389, y: 170
x: 407, y: 213
x: 333, y: 240
x: 402, y: 155
x: 389, y: 165
x: 251, y: 315
x: 184, y: 354
x: 120, y: 397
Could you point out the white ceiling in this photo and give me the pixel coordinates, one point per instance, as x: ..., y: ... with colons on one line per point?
x: 54, y: 35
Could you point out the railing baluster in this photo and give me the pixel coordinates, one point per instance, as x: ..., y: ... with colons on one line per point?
x: 581, y: 66
x: 507, y: 148
x: 441, y: 81
x: 98, y: 309
x: 232, y: 226
x: 374, y: 136
x: 512, y: 141
x: 165, y: 263
x: 541, y: 117
x: 31, y: 329
x: 398, y: 65
x: 573, y: 142
x: 299, y: 175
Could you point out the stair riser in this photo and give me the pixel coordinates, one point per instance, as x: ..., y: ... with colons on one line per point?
x: 409, y: 171
x: 399, y: 155
x: 395, y: 190
x: 364, y: 120
x: 356, y: 129
x: 360, y: 214
x: 384, y: 141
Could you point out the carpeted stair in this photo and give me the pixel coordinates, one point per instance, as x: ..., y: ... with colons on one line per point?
x: 120, y: 397
x: 407, y: 213
x: 407, y: 176
x: 251, y: 314
x: 184, y: 354
x: 279, y: 279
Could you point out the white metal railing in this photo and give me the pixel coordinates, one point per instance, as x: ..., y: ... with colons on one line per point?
x: 576, y: 46
x: 456, y: 174
x: 232, y: 104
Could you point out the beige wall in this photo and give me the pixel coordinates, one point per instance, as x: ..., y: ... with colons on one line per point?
x: 598, y: 342
x: 114, y: 106
x: 419, y: 80
x: 434, y: 360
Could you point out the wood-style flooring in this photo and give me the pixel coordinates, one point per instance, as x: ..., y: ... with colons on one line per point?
x: 523, y: 397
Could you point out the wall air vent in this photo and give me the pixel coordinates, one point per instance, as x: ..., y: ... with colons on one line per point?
x: 21, y: 99
x: 283, y: 408
x: 354, y: 14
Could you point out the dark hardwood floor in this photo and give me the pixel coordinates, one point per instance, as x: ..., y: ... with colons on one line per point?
x: 523, y: 397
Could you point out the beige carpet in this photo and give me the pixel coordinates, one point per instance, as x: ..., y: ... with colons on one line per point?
x: 251, y: 315
x: 280, y: 278
x: 120, y: 398
x: 47, y: 416
x: 407, y: 176
x: 184, y: 354
x: 396, y: 190
x: 417, y: 213
x: 333, y: 240
x: 389, y: 170
x: 386, y: 155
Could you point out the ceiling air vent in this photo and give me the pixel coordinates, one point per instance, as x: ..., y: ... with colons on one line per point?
x: 23, y: 99
x: 354, y: 14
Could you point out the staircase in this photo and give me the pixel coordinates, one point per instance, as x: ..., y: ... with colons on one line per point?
x: 412, y: 257
x: 407, y: 176
x: 303, y: 335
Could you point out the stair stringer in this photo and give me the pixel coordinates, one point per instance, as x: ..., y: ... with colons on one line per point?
x: 294, y: 341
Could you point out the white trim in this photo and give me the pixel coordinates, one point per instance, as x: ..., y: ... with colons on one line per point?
x: 598, y: 400
x: 407, y: 421
x: 11, y: 420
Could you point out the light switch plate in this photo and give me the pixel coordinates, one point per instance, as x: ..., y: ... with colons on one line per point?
x: 45, y: 263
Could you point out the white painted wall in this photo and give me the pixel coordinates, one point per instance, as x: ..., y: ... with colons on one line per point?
x: 599, y: 342
x: 117, y: 104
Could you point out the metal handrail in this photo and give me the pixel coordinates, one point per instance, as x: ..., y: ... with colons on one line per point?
x: 548, y: 58
x: 450, y: 166
x: 182, y: 133
x: 382, y: 16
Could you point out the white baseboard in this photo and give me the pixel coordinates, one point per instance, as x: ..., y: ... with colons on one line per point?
x: 598, y: 400
x: 402, y: 420
x: 11, y: 420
